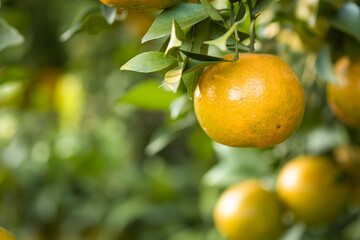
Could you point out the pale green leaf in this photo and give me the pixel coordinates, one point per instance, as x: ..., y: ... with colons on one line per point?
x: 221, y: 42
x: 149, y: 62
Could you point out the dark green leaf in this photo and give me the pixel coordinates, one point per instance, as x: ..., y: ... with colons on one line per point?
x: 9, y: 36
x: 196, y: 65
x: 109, y: 13
x: 149, y: 96
x: 347, y: 19
x: 202, y: 57
x: 185, y: 14
x: 241, y: 13
x: 261, y: 5
x: 149, y: 62
x: 213, y: 13
x: 324, y: 66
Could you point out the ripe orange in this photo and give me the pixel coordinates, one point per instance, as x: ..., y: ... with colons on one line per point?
x: 248, y: 211
x: 5, y: 235
x: 150, y: 5
x: 256, y: 101
x: 344, y: 98
x: 314, y: 189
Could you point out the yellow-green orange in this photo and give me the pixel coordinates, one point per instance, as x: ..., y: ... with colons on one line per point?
x: 256, y: 101
x: 344, y: 97
x: 140, y: 4
x: 247, y: 211
x: 314, y: 189
x: 5, y: 235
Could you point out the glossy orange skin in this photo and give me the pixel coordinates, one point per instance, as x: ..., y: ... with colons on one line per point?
x: 150, y: 5
x: 247, y: 211
x: 257, y: 101
x: 311, y: 188
x: 344, y: 98
x: 5, y: 235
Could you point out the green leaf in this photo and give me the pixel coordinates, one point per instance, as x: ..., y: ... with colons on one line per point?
x: 202, y: 57
x: 173, y: 77
x: 177, y: 35
x: 94, y: 24
x: 213, y: 13
x: 324, y: 66
x: 201, y: 34
x: 149, y: 62
x: 221, y: 42
x: 347, y: 19
x: 149, y: 96
x: 241, y: 13
x: 108, y: 13
x: 9, y: 36
x: 185, y: 14
x: 261, y: 5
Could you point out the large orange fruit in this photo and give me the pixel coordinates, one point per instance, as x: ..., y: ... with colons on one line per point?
x: 247, y: 211
x: 5, y: 235
x: 140, y: 4
x: 314, y: 189
x: 256, y: 101
x: 344, y: 97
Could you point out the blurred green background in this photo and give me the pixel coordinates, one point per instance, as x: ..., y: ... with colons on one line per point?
x: 91, y: 152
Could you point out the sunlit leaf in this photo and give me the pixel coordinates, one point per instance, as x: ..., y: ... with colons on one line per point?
x: 9, y: 36
x: 324, y: 66
x: 173, y: 77
x: 185, y: 14
x: 213, y: 13
x: 149, y: 62
x: 347, y: 19
x: 221, y: 42
x: 149, y: 96
x: 177, y: 35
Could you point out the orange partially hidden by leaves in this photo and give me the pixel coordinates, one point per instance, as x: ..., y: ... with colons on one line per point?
x: 314, y: 189
x: 5, y: 235
x: 150, y: 5
x: 257, y: 101
x: 344, y: 97
x: 248, y: 211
